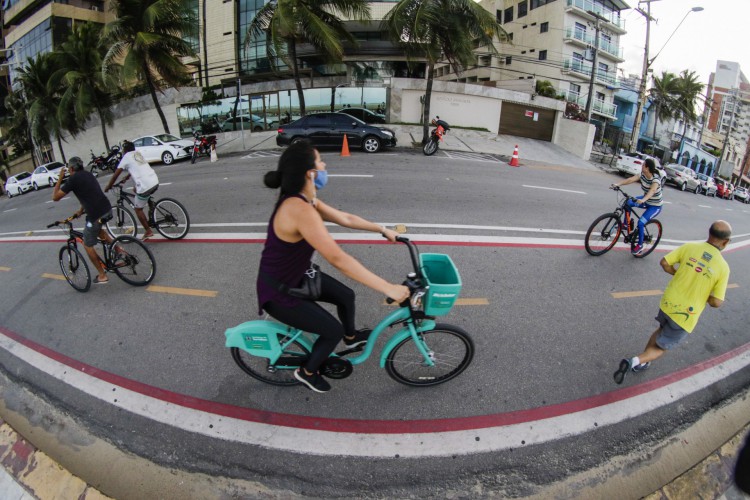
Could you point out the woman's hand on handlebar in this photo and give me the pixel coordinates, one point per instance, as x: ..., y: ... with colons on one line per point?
x: 389, y: 234
x: 397, y: 293
x: 614, y: 186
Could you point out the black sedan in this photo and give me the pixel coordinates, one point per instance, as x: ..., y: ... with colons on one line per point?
x: 364, y: 114
x: 328, y: 129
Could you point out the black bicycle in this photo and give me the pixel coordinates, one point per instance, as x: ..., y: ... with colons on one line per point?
x: 167, y: 215
x: 125, y: 256
x: 606, y: 229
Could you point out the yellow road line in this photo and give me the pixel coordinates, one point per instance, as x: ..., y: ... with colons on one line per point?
x: 182, y: 291
x: 3, y: 268
x: 54, y: 276
x: 647, y: 293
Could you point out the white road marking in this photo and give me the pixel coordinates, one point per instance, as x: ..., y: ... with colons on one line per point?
x: 165, y: 183
x: 553, y: 189
x: 9, y: 210
x: 382, y: 445
x: 704, y: 206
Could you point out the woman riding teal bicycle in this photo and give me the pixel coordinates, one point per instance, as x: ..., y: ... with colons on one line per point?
x: 295, y: 231
x: 651, y: 183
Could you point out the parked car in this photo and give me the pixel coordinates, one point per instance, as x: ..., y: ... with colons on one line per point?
x: 742, y: 195
x: 684, y: 178
x: 630, y: 163
x: 163, y: 147
x: 364, y: 114
x: 46, y: 175
x: 708, y: 186
x: 18, y: 184
x: 724, y: 189
x: 249, y: 122
x: 328, y: 129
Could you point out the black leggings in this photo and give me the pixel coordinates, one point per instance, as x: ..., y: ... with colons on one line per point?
x: 311, y: 317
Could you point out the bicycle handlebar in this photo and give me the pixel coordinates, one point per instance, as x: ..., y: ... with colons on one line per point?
x: 64, y: 221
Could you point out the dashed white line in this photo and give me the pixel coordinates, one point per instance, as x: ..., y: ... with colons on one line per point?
x: 10, y: 210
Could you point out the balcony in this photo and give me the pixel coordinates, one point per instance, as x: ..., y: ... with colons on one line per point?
x: 584, y: 39
x: 582, y: 7
x: 599, y: 107
x: 583, y: 69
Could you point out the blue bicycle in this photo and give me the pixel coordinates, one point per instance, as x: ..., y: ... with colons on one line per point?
x: 420, y: 353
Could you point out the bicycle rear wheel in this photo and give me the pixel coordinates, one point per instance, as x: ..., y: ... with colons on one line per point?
x: 281, y: 373
x: 122, y: 223
x: 450, y: 348
x: 132, y: 261
x: 651, y: 237
x: 74, y: 268
x: 602, y: 234
x: 171, y: 219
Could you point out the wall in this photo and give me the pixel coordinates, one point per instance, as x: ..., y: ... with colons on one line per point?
x: 574, y: 136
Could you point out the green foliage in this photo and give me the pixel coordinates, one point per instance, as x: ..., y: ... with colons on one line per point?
x: 545, y: 88
x: 18, y: 133
x: 287, y: 23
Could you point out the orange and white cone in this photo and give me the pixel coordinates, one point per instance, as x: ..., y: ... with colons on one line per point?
x: 514, y: 159
x: 345, y: 147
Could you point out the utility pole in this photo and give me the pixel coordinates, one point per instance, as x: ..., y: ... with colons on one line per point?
x: 590, y: 100
x: 644, y: 76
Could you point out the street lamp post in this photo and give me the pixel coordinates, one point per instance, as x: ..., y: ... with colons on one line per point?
x: 646, y: 65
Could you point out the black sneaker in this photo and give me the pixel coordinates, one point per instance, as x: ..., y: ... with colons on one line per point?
x: 360, y: 338
x: 313, y: 382
x: 619, y: 375
x: 641, y: 367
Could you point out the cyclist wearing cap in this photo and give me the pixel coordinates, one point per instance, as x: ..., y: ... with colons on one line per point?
x: 94, y: 203
x: 651, y: 183
x: 146, y: 182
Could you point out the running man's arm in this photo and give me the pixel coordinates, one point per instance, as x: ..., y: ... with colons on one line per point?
x: 668, y: 268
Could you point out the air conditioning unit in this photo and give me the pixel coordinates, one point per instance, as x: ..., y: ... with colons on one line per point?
x: 96, y: 8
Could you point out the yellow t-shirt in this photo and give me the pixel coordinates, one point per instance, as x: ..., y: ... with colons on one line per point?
x: 703, y: 272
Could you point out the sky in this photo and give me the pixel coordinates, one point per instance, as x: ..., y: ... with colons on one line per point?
x: 720, y: 32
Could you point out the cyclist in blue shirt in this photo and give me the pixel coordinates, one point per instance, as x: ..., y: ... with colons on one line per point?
x: 651, y: 183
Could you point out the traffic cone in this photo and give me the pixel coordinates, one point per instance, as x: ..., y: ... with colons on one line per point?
x: 514, y: 159
x: 345, y: 147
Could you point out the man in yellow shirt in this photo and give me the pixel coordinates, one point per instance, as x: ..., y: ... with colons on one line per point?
x: 700, y: 277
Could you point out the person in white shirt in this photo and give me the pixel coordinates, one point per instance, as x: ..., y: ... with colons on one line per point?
x: 146, y: 182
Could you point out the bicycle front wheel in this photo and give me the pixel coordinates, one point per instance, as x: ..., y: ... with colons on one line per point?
x: 171, y: 219
x: 602, y: 234
x: 449, y: 347
x: 651, y: 237
x: 280, y: 373
x: 74, y: 268
x: 122, y: 223
x: 132, y: 261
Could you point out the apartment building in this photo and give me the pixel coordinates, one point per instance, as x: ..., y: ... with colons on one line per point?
x: 555, y: 40
x: 728, y: 110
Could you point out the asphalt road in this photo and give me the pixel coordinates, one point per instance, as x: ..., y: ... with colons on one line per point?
x: 548, y: 329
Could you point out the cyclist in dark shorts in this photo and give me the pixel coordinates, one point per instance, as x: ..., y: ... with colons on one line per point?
x: 94, y: 203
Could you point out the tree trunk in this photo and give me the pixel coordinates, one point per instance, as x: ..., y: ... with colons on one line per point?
x: 295, y: 73
x: 104, y: 127
x: 152, y: 89
x: 656, y: 120
x: 427, y: 97
x: 59, y: 145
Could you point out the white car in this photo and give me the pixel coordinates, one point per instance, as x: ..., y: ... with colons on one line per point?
x: 631, y: 163
x: 46, y: 175
x: 165, y: 148
x: 742, y: 195
x: 18, y: 184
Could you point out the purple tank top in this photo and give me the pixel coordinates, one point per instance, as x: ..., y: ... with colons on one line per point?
x: 287, y: 262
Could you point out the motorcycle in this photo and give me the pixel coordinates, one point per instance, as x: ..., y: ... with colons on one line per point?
x: 441, y: 128
x: 202, y: 145
x: 105, y: 161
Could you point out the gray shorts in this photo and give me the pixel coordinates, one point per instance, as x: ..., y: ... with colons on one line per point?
x: 91, y: 230
x: 671, y: 333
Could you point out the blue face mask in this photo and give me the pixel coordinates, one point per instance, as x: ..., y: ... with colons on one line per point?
x: 321, y: 179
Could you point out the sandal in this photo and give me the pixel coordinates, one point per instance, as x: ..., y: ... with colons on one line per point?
x: 97, y: 281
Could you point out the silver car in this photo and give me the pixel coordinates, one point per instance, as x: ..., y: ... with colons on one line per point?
x: 684, y: 178
x: 708, y: 186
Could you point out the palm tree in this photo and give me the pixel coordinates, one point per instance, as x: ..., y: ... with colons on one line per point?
x: 42, y: 93
x: 442, y: 29
x: 19, y: 131
x: 662, y: 96
x: 80, y: 61
x: 687, y: 91
x: 288, y: 23
x: 146, y: 41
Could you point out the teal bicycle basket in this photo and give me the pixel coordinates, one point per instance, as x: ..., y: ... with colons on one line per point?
x: 444, y: 282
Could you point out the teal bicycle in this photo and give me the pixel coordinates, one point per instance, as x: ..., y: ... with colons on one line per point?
x: 420, y: 353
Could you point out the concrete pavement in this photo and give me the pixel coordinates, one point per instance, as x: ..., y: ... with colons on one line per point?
x: 42, y: 478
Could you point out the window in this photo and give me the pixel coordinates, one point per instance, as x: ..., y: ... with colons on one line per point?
x: 544, y: 28
x: 508, y: 59
x: 600, y: 96
x: 499, y: 16
x: 510, y: 36
x: 542, y: 55
x: 539, y: 3
x: 522, y: 9
x: 508, y: 15
x: 580, y: 31
x: 575, y: 89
